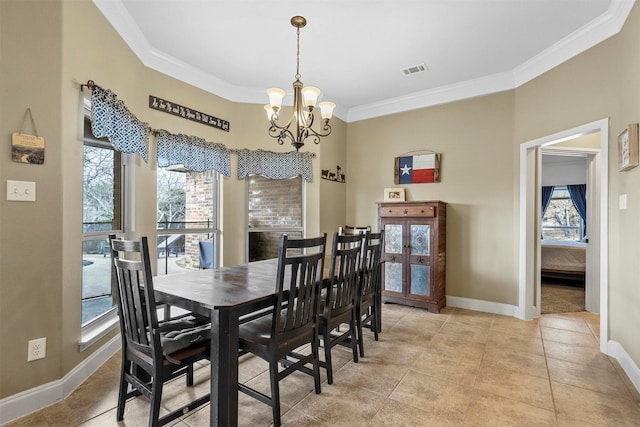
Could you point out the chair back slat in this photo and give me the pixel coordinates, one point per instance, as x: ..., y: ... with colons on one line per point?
x: 370, y: 263
x: 138, y: 316
x: 347, y: 229
x: 343, y: 271
x: 300, y: 267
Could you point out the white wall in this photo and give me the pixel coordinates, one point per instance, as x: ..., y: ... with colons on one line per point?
x: 563, y: 170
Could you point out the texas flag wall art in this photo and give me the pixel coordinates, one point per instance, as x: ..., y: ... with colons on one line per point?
x: 417, y: 169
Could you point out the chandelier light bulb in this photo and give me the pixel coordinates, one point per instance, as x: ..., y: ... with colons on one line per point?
x: 326, y: 109
x: 310, y: 95
x: 276, y: 95
x: 270, y: 112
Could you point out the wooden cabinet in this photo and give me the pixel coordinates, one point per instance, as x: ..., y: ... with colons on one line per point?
x: 414, y: 253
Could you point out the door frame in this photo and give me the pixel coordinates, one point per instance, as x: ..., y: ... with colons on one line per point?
x: 529, y: 225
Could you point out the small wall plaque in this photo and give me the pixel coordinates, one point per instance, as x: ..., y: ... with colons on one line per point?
x: 172, y: 108
x: 628, y: 148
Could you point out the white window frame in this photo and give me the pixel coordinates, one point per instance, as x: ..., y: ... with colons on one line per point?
x: 97, y: 328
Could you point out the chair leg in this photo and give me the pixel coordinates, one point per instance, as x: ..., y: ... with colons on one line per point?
x: 315, y: 349
x: 359, y: 332
x: 156, y: 395
x: 122, y: 392
x: 190, y: 375
x: 375, y: 323
x: 327, y: 354
x: 275, y: 393
x: 354, y: 337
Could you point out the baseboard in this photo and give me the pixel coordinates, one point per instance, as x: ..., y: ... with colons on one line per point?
x: 28, y: 401
x: 484, y: 306
x: 632, y: 370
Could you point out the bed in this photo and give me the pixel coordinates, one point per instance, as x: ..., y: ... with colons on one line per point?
x: 563, y: 260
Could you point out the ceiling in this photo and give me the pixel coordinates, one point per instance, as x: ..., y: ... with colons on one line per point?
x: 355, y: 50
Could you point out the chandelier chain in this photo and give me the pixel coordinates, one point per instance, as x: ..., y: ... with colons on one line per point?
x: 298, y: 54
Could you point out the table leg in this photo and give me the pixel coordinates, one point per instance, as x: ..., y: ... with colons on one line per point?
x: 224, y: 368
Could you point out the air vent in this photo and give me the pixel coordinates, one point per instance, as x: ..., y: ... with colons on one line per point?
x: 415, y: 69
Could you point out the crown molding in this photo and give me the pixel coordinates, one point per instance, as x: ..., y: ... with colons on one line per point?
x: 598, y: 30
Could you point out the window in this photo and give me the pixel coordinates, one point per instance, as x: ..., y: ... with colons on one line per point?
x: 275, y: 207
x: 561, y: 220
x: 187, y: 219
x: 102, y: 214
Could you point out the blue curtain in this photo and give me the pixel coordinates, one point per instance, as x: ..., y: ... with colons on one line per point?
x: 578, y: 195
x: 111, y: 118
x: 274, y: 165
x: 194, y: 153
x: 546, y: 197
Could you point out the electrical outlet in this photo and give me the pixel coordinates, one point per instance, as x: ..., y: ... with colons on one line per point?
x: 37, y: 349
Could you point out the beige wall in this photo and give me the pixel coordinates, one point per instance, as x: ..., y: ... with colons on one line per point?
x: 478, y: 167
x: 478, y: 139
x: 31, y: 256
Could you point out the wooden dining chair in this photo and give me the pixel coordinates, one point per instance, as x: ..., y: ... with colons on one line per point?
x: 133, y: 250
x: 368, y: 300
x: 152, y: 354
x: 293, y: 322
x: 338, y: 316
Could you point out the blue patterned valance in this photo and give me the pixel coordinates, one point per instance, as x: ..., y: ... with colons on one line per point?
x: 194, y: 153
x: 110, y: 118
x: 274, y: 165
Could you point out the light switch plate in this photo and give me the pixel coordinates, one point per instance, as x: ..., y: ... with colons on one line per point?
x: 622, y: 202
x: 21, y: 191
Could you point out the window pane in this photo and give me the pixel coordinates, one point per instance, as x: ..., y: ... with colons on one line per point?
x: 274, y: 204
x: 101, y: 215
x: 101, y: 195
x: 266, y: 245
x: 97, y: 295
x: 186, y: 202
x: 561, y: 219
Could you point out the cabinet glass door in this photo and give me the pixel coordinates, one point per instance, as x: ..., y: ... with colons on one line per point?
x: 420, y: 253
x: 393, y: 257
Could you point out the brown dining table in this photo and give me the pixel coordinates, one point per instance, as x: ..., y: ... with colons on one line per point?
x: 225, y: 295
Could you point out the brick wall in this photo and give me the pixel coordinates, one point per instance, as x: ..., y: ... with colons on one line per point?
x: 198, y: 203
x: 272, y: 203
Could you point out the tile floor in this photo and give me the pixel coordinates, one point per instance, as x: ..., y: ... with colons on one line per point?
x: 456, y: 368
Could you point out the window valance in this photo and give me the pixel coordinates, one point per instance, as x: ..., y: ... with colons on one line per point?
x: 194, y: 153
x: 274, y: 165
x: 110, y: 118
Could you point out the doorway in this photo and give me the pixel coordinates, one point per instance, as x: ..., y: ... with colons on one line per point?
x: 529, y: 303
x: 565, y: 276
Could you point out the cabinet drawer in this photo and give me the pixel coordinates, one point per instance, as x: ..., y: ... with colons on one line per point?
x: 407, y: 211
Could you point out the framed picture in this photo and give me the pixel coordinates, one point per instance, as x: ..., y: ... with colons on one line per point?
x: 628, y: 148
x: 394, y: 194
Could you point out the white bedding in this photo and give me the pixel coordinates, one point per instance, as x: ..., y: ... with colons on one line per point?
x: 563, y: 256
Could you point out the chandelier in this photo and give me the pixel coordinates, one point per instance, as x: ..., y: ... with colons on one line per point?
x: 299, y: 126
